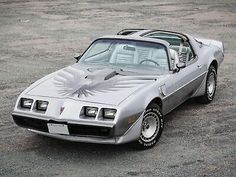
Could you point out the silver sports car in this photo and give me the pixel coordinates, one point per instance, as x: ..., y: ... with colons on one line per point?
x: 121, y: 87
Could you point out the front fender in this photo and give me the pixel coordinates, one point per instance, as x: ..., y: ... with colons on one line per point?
x: 132, y: 108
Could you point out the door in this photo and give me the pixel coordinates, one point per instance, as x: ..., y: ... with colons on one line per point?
x: 183, y: 84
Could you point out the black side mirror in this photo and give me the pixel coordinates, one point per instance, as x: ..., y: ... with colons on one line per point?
x: 180, y: 65
x: 77, y: 57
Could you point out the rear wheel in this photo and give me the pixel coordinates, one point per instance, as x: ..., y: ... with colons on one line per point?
x: 152, y: 127
x: 210, y: 88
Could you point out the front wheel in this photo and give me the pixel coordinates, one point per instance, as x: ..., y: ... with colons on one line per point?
x: 210, y: 88
x: 152, y: 126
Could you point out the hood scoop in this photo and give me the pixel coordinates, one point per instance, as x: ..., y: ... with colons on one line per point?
x: 101, y: 74
x: 112, y: 74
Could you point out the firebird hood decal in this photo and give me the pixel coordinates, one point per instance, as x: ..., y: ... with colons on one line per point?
x: 93, y: 85
x: 72, y: 81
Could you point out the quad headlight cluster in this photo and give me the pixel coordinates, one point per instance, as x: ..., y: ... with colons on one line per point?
x: 109, y: 113
x: 27, y: 103
x: 41, y: 105
x: 93, y: 111
x: 90, y: 111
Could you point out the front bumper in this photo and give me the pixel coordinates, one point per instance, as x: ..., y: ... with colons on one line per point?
x: 80, y: 132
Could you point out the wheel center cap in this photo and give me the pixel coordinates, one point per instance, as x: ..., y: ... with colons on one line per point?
x: 146, y: 125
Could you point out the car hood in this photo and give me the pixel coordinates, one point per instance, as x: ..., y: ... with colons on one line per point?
x: 97, y: 85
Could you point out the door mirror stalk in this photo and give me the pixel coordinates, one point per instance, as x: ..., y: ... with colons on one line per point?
x: 77, y: 58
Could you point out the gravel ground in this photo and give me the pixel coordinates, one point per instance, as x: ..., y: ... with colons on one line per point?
x: 39, y: 37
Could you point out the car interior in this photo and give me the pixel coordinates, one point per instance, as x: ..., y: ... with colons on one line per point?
x: 130, y: 54
x: 176, y: 43
x: 180, y: 51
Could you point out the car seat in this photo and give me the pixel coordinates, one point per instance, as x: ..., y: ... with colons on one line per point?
x: 123, y: 54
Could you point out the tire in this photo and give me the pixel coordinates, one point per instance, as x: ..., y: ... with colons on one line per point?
x: 152, y: 127
x: 210, y: 88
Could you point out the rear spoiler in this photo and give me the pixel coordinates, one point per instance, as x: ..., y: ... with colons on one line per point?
x: 210, y: 42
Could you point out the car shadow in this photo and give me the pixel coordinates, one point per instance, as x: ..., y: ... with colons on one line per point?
x: 188, y: 105
x: 50, y: 148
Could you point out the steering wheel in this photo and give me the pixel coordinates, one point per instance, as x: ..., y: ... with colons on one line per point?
x: 149, y: 61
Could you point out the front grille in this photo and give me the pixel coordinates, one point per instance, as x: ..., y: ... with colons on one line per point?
x: 74, y: 129
x: 36, y: 124
x: 86, y: 130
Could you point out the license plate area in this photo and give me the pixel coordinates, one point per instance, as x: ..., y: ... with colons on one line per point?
x: 58, y: 128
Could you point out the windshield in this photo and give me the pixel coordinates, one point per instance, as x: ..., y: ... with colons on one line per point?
x: 127, y: 54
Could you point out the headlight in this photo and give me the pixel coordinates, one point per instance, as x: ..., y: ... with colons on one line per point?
x: 41, y: 105
x: 26, y: 103
x: 109, y: 113
x: 90, y: 111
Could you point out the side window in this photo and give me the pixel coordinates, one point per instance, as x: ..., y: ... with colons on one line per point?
x: 182, y: 47
x: 186, y: 53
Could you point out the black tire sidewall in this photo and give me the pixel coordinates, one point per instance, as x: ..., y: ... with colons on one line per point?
x: 211, y: 70
x: 154, y: 109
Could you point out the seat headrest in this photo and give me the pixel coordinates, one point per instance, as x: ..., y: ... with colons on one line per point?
x: 173, y: 54
x: 174, y: 57
x: 123, y: 54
